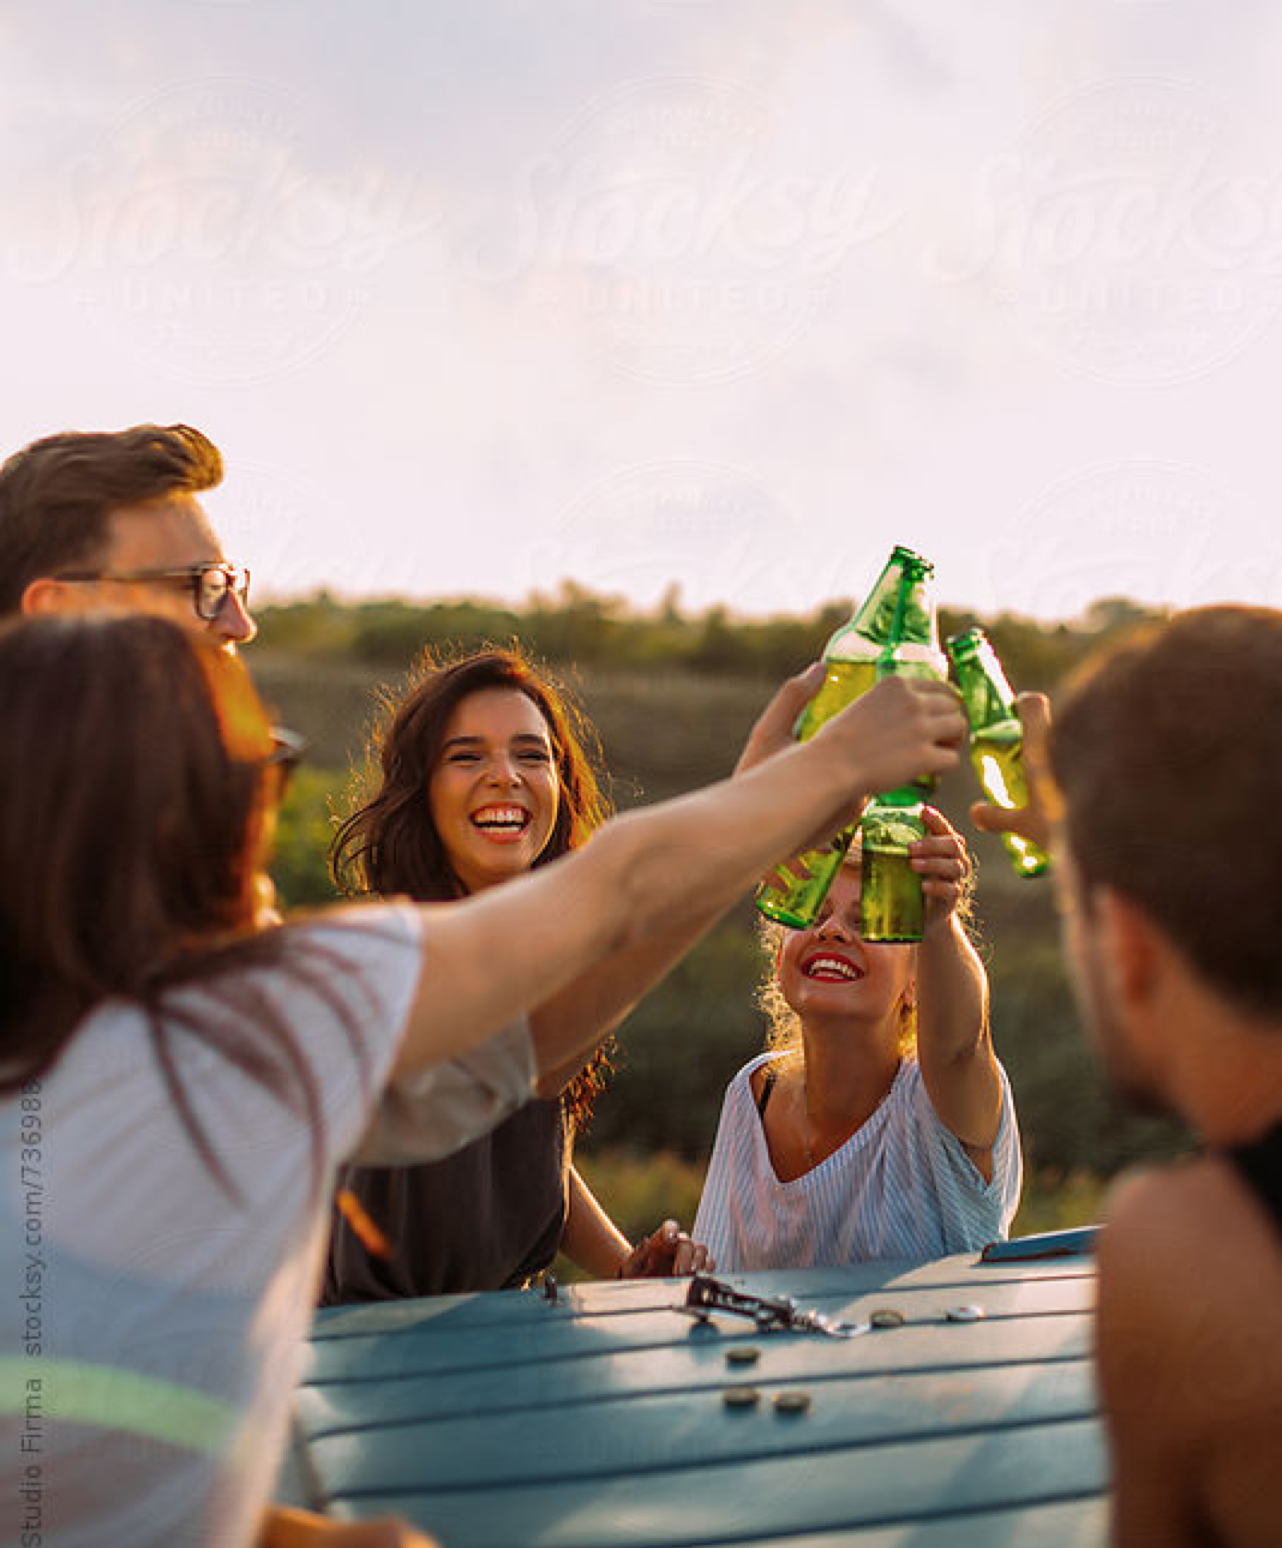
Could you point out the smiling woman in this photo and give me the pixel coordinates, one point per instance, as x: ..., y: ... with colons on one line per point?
x: 486, y: 776
x: 494, y: 791
x: 879, y: 1124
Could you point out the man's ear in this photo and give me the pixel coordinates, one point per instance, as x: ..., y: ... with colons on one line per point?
x: 1131, y: 948
x: 47, y: 595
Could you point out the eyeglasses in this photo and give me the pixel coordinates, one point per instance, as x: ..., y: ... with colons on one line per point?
x: 210, y: 584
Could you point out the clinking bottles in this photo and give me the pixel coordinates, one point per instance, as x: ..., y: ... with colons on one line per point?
x: 893, y: 631
x: 996, y: 737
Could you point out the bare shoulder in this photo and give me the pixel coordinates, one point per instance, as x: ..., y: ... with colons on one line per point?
x: 1196, y: 1227
x: 1189, y: 1339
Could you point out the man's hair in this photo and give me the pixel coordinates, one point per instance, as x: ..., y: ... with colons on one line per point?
x: 57, y: 495
x: 1168, y: 754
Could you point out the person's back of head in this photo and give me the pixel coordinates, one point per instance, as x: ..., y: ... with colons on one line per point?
x: 57, y: 495
x: 127, y: 813
x: 1168, y: 754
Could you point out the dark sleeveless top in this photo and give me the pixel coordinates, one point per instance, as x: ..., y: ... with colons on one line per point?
x: 1260, y: 1163
x: 486, y: 1218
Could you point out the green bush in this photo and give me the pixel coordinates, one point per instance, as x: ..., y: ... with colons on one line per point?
x: 303, y: 831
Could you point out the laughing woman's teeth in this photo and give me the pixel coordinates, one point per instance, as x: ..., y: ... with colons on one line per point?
x: 504, y: 819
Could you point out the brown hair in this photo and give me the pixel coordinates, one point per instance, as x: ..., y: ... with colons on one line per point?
x: 131, y: 809
x: 389, y: 844
x: 1168, y: 751
x: 57, y: 495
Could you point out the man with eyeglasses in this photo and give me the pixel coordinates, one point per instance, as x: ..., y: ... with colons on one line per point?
x: 111, y: 520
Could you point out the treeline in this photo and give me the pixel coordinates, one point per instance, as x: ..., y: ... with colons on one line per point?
x: 599, y: 632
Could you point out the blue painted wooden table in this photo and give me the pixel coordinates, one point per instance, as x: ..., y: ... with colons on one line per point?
x: 503, y: 1420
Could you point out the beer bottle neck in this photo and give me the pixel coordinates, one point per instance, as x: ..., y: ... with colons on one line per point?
x: 987, y: 696
x: 896, y: 621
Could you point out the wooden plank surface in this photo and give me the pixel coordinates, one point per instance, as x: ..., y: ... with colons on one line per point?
x: 782, y: 1495
x: 600, y: 1418
x: 673, y: 1368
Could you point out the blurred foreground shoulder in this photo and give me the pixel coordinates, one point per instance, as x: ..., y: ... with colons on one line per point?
x: 1189, y: 1351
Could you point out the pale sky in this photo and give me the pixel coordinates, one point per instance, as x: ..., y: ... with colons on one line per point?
x: 477, y: 295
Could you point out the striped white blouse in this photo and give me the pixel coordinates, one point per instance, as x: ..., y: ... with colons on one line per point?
x: 901, y: 1187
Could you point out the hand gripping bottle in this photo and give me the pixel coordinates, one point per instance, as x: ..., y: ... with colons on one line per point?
x: 892, y: 906
x: 996, y: 738
x: 893, y: 631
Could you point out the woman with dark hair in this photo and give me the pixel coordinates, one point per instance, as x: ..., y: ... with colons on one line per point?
x: 177, y: 1085
x: 486, y: 774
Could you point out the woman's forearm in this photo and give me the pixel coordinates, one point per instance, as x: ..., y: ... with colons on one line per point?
x: 591, y: 1239
x: 953, y: 1045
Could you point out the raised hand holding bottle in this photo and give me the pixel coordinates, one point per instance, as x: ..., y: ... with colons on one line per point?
x: 894, y: 631
x: 996, y: 738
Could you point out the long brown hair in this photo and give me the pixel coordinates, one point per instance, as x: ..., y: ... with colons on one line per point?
x: 389, y: 843
x: 132, y: 794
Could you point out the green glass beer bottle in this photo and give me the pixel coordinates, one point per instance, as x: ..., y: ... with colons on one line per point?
x: 893, y: 631
x: 892, y: 906
x: 996, y: 738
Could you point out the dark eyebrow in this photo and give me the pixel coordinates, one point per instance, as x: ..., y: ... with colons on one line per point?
x: 524, y: 738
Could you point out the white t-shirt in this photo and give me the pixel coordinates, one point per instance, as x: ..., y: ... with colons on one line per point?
x: 151, y: 1326
x: 901, y: 1187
